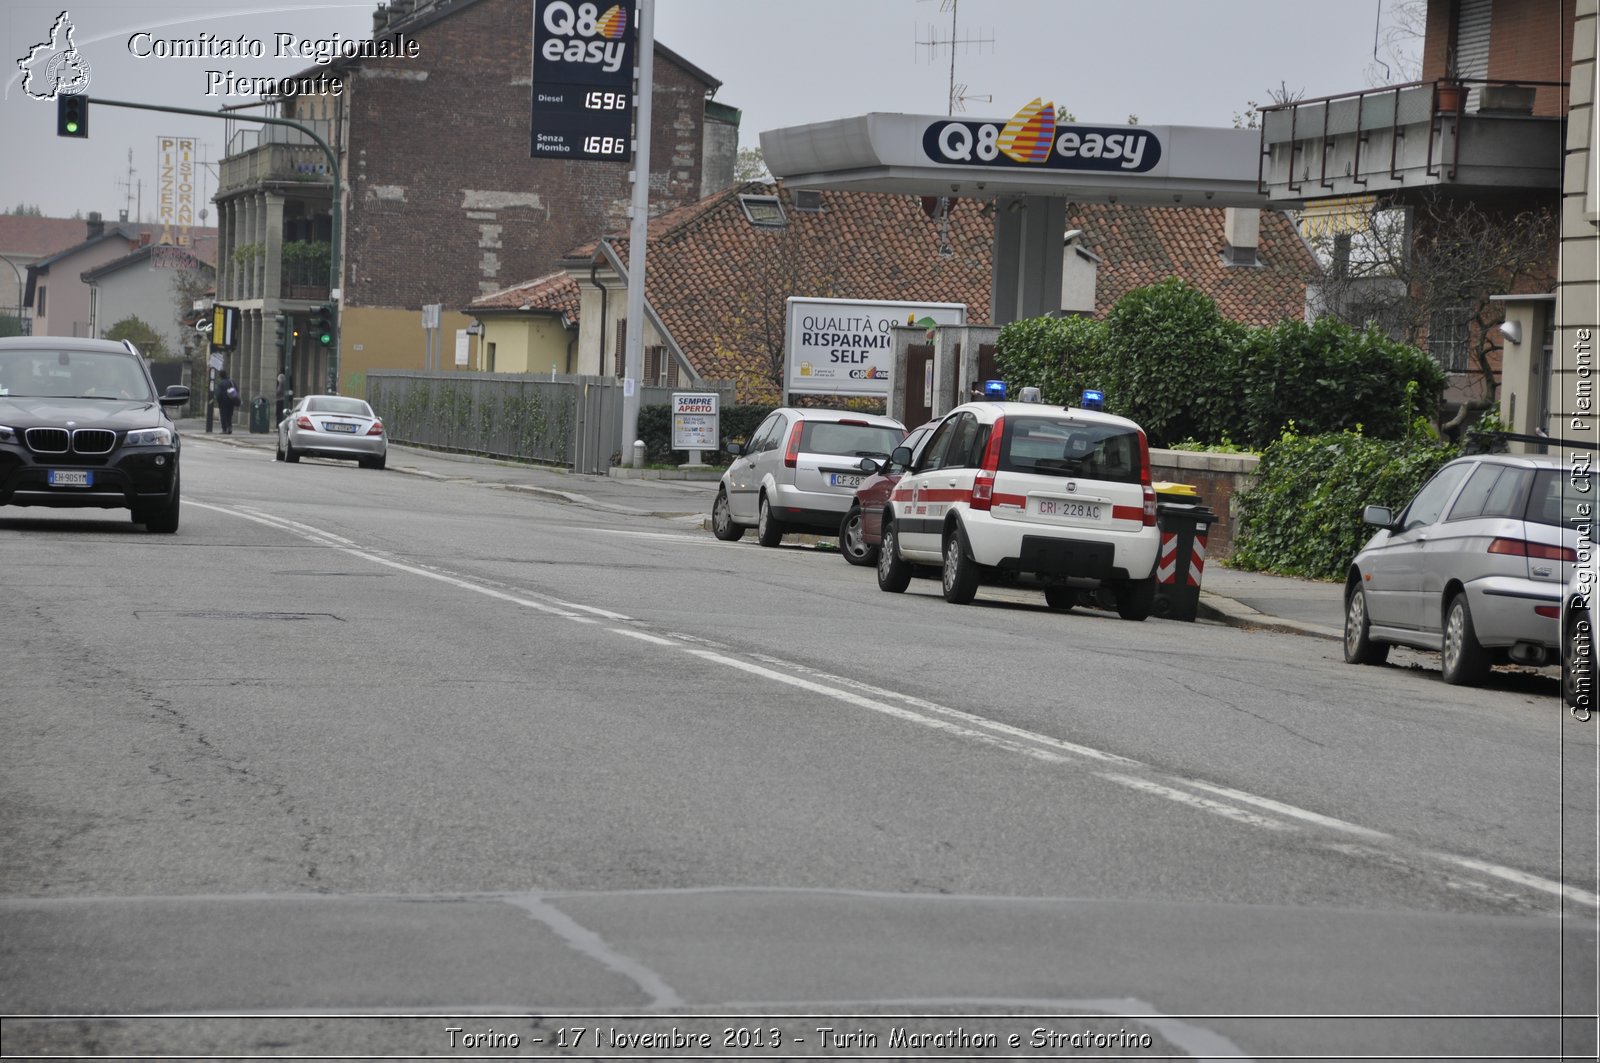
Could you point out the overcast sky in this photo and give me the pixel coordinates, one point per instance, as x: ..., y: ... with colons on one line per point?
x: 1170, y: 62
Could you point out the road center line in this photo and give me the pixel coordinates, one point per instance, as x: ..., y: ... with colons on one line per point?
x: 978, y: 729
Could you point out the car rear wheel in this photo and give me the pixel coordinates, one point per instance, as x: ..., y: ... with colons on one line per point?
x: 1358, y: 645
x: 722, y: 525
x: 1577, y: 663
x: 894, y: 574
x: 375, y: 463
x: 769, y: 530
x: 290, y: 454
x: 1062, y: 598
x: 852, y: 540
x: 960, y: 571
x: 277, y: 453
x: 1136, y: 598
x: 1464, y: 660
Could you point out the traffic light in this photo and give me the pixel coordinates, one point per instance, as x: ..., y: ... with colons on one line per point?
x: 322, y: 324
x: 281, y: 323
x: 72, y: 116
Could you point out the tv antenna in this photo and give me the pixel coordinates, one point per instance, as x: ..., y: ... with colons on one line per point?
x: 128, y: 186
x: 958, y: 93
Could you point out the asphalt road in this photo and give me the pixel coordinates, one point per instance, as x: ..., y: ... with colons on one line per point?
x: 355, y: 746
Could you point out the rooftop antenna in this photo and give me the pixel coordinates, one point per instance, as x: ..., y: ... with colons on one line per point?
x: 128, y: 185
x: 958, y: 93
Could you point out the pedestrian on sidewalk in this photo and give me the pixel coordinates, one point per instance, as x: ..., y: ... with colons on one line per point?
x: 227, y: 399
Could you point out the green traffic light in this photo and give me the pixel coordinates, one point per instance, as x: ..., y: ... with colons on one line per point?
x: 72, y: 127
x: 325, y: 338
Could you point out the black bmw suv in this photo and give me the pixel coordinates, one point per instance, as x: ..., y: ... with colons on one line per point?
x: 81, y: 426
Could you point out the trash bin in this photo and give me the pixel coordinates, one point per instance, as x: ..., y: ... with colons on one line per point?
x: 258, y: 415
x: 1181, y: 560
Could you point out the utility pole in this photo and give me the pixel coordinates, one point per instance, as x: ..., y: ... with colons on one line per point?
x: 637, y: 231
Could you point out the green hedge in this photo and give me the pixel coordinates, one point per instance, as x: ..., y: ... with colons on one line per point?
x: 655, y: 428
x: 1303, y: 515
x: 1166, y: 357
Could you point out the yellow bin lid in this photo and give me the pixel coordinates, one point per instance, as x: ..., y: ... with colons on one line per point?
x: 1164, y: 487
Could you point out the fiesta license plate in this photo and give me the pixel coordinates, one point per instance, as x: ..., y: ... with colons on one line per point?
x: 329, y: 426
x: 71, y: 478
x: 844, y: 479
x: 1062, y: 507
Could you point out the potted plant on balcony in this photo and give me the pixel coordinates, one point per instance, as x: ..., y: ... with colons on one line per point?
x: 1451, y: 91
x: 305, y: 268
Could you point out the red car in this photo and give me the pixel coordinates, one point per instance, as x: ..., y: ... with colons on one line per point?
x: 861, y: 530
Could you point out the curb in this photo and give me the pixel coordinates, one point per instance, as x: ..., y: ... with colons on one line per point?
x: 1236, y: 614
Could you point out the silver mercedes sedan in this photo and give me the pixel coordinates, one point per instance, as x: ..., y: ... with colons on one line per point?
x: 333, y: 426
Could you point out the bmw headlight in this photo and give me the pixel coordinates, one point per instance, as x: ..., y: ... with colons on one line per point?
x: 9, y: 435
x: 148, y: 437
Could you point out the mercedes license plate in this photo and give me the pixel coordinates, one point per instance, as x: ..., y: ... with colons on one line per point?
x: 71, y: 478
x: 329, y: 426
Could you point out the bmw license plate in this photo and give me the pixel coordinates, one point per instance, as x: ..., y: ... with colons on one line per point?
x: 844, y: 479
x: 329, y: 426
x: 1061, y: 507
x: 71, y: 478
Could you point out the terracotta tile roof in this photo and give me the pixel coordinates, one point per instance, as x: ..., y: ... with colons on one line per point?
x: 1139, y: 246
x: 718, y: 282
x: 32, y: 238
x: 555, y: 292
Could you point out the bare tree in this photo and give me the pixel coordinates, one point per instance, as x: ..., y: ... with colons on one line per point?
x: 1397, y: 46
x: 1425, y: 275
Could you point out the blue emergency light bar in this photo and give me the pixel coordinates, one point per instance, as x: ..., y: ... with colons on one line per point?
x: 994, y: 389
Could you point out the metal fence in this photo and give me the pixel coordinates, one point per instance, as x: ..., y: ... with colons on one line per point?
x: 572, y: 421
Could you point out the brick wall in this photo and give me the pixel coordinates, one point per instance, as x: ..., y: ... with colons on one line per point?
x: 1217, y: 478
x: 445, y: 203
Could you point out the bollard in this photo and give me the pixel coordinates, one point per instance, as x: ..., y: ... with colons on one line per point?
x: 638, y: 453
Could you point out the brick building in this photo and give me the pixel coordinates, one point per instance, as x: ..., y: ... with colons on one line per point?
x: 441, y: 201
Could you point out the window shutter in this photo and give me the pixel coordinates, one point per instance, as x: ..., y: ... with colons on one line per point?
x: 621, y: 361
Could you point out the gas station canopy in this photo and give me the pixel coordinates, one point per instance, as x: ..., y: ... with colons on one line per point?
x: 1029, y: 155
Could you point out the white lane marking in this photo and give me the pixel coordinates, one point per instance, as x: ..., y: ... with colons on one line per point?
x: 1204, y: 804
x: 985, y: 731
x: 586, y: 942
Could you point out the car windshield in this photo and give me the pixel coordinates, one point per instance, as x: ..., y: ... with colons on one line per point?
x: 67, y: 374
x: 1063, y: 448
x: 855, y: 439
x: 338, y: 404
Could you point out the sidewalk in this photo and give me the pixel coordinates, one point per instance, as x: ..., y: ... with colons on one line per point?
x: 1239, y: 599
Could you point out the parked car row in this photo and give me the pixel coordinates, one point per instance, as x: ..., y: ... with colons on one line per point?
x: 992, y: 490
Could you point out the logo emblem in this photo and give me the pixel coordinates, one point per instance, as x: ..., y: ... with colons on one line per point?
x: 613, y: 24
x: 1030, y: 133
x: 55, y: 67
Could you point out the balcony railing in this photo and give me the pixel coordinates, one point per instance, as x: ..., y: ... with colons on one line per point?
x: 274, y: 163
x: 1327, y: 145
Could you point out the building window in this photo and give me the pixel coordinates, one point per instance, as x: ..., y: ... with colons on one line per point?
x: 490, y: 367
x: 764, y: 211
x: 40, y: 311
x: 1449, y: 335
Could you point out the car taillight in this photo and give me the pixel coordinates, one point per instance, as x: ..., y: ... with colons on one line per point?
x: 376, y: 429
x: 1146, y: 482
x: 304, y: 422
x: 983, y: 482
x: 1541, y: 551
x: 791, y: 454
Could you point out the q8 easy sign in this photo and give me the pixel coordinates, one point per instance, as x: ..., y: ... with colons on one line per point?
x: 846, y: 347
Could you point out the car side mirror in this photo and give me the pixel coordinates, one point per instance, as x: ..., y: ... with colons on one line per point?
x: 901, y: 456
x: 1382, y: 516
x: 870, y: 466
x: 176, y: 395
x: 733, y: 449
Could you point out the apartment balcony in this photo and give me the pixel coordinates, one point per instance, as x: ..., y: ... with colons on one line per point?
x: 272, y: 156
x: 1403, y: 140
